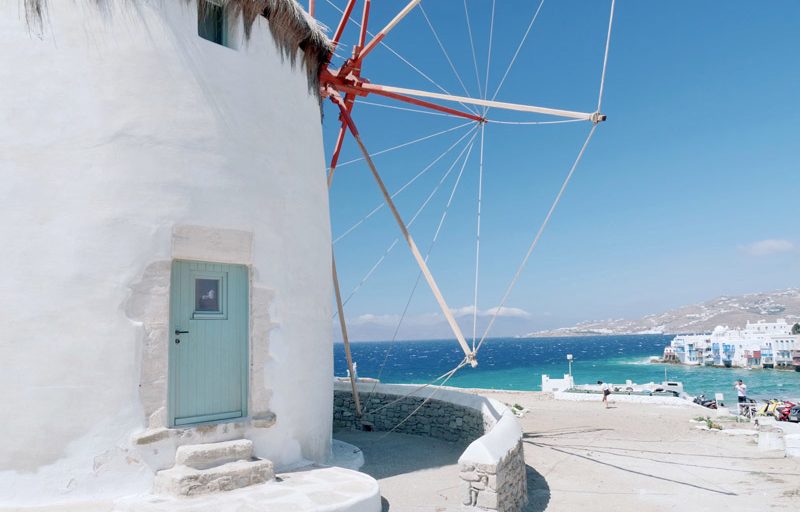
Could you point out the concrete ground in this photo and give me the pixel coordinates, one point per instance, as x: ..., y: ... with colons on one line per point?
x: 306, y: 489
x: 581, y: 456
x: 415, y: 474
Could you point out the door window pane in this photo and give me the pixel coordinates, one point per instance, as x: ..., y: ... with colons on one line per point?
x: 206, y: 295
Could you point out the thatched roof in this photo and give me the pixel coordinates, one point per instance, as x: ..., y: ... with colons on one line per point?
x: 292, y: 28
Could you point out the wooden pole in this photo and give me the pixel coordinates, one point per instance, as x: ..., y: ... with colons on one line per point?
x: 345, y: 17
x: 311, y: 7
x: 384, y: 89
x: 359, y: 90
x: 362, y: 35
x: 336, y: 149
x: 338, y: 293
x: 385, y: 30
x: 345, y: 339
x: 409, y: 239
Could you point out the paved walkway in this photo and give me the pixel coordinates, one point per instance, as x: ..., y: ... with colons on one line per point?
x: 309, y: 489
x: 419, y: 474
x: 581, y: 456
x: 415, y: 474
x: 647, y: 458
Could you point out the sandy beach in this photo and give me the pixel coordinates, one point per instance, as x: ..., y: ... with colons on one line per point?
x: 581, y: 456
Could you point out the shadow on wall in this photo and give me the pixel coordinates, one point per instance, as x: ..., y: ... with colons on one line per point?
x: 538, y: 491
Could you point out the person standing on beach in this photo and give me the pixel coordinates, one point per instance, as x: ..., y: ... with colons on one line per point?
x: 606, y: 389
x: 741, y: 391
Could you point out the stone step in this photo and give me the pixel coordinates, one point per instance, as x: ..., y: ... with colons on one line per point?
x: 205, y: 456
x: 187, y: 481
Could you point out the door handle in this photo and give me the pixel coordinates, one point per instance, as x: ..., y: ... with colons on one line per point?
x: 178, y: 331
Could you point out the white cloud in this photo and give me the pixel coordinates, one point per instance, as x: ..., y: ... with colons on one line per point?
x: 374, y: 319
x: 392, y: 320
x: 432, y: 325
x: 767, y: 247
x: 462, y: 311
x: 426, y: 319
x: 501, y: 312
x: 508, y: 312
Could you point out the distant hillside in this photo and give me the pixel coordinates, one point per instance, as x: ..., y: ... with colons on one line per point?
x: 730, y: 311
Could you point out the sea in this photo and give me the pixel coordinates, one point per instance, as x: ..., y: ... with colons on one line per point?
x: 518, y: 364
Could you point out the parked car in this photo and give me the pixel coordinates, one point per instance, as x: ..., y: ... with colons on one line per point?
x: 794, y: 414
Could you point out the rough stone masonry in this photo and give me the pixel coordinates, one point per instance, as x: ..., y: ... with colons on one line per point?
x: 437, y: 419
x: 500, y: 486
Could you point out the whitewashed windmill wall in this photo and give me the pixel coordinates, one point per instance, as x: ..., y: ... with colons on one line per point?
x: 126, y: 141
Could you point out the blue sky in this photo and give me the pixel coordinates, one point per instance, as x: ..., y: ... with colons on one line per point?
x: 687, y: 192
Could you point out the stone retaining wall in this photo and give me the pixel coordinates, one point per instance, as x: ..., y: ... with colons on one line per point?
x: 436, y: 418
x: 492, y: 469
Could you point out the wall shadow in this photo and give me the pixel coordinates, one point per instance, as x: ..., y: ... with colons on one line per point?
x: 538, y: 491
x: 397, y: 454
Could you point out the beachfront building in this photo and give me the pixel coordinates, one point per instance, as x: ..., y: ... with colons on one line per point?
x: 688, y: 349
x: 784, y: 346
x: 167, y: 251
x: 764, y: 344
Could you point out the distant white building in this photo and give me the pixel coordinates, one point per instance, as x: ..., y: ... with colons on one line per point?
x: 766, y: 344
x: 166, y: 241
x: 551, y: 385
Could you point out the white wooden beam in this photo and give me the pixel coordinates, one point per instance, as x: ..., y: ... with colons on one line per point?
x: 587, y: 116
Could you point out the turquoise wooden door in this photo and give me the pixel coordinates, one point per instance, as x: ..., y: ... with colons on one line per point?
x: 208, y: 340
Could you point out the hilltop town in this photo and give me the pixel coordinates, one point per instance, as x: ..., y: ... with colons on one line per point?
x: 733, y: 311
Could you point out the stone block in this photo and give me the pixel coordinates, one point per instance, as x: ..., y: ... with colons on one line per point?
x: 469, y: 476
x: 264, y: 420
x: 491, y: 481
x: 152, y: 436
x: 487, y: 499
x: 466, y: 493
x: 186, y: 481
x: 204, y: 456
x: 490, y: 469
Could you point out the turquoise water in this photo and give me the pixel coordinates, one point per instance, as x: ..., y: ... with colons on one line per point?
x: 512, y: 363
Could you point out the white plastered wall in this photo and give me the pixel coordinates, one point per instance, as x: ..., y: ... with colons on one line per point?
x: 117, y: 128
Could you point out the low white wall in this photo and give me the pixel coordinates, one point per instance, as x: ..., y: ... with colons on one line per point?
x: 792, y: 444
x: 620, y: 397
x: 770, y: 438
x: 552, y: 385
x: 775, y: 434
x: 492, y: 468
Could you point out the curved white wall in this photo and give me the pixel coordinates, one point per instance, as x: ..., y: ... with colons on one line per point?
x: 114, y: 129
